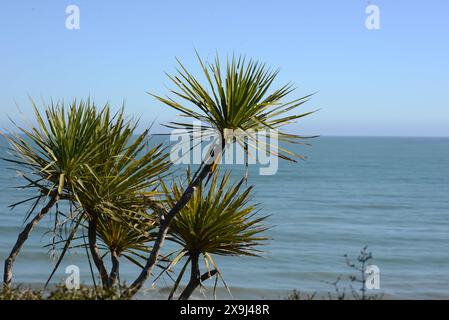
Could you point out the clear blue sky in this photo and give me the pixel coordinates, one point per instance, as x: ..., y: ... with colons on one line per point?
x: 392, y: 81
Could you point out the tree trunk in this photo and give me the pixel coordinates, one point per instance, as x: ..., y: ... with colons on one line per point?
x: 23, y: 236
x: 194, y: 278
x: 114, y: 275
x: 92, y: 237
x: 192, y: 285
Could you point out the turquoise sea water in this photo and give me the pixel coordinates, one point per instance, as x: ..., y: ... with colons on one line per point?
x: 391, y: 194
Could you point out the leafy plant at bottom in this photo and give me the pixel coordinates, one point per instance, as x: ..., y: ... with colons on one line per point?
x: 218, y: 220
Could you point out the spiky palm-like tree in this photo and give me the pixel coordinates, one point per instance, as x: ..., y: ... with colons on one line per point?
x: 122, y: 182
x: 239, y: 98
x: 51, y: 157
x: 218, y: 220
x: 91, y: 159
x: 128, y: 239
x: 235, y: 103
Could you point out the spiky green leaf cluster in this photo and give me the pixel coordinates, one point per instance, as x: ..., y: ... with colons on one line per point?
x: 98, y: 164
x: 238, y: 99
x: 54, y: 154
x: 217, y: 220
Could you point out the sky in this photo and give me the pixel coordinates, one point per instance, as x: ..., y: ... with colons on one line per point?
x: 391, y: 81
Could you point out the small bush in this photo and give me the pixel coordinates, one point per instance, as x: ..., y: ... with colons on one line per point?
x: 296, y: 295
x: 60, y: 292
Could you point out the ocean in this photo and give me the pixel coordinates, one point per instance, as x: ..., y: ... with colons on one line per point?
x: 390, y: 194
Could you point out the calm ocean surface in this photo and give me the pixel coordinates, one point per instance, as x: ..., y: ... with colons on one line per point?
x: 391, y: 194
